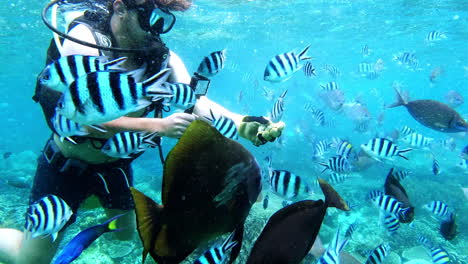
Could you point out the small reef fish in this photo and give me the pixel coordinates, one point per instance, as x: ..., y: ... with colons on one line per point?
x: 226, y: 126
x: 62, y: 72
x: 391, y: 223
x: 439, y: 255
x: 448, y: 227
x: 382, y: 148
x: 406, y: 130
x: 454, y: 98
x: 374, y: 194
x: 212, y: 64
x: 329, y: 86
x: 435, y: 167
x: 290, y: 232
x: 435, y: 74
x: 99, y: 97
x: 336, y: 164
x: 351, y: 229
x: 288, y: 185
x: 217, y: 254
x: 84, y: 239
x: 433, y: 114
x: 333, y: 71
x: 126, y: 144
x: 417, y: 140
x: 407, y: 58
x: 332, y: 255
x: 278, y: 108
x: 309, y: 69
x: 394, y: 189
x: 378, y: 254
x: 183, y: 95
x: 435, y: 36
x: 390, y: 205
x: 438, y: 208
x: 282, y: 66
x: 47, y: 217
x: 401, y: 174
x: 67, y: 128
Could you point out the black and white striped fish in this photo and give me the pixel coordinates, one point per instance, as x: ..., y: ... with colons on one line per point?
x: 318, y: 116
x: 330, y: 86
x: 351, y: 229
x: 406, y: 130
x: 336, y: 164
x: 99, y: 97
x: 125, y: 144
x: 344, y: 149
x: 47, y: 217
x: 439, y: 255
x: 438, y: 208
x: 321, y: 147
x: 408, y: 59
x: 332, y: 254
x: 378, y: 254
x: 372, y: 75
x: 309, y: 69
x: 401, y: 175
x: 282, y: 66
x: 435, y: 167
x: 365, y: 51
x: 217, y: 254
x: 212, y: 63
x: 336, y: 178
x: 226, y: 126
x: 67, y: 128
x: 390, y: 205
x: 278, y: 108
x: 365, y: 67
x: 382, y: 148
x: 424, y: 241
x: 288, y: 185
x: 332, y: 70
x: 417, y: 140
x: 61, y: 73
x: 435, y: 36
x: 391, y: 223
x: 183, y: 95
x: 374, y: 194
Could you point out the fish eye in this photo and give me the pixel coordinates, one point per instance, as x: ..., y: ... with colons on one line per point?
x: 60, y: 105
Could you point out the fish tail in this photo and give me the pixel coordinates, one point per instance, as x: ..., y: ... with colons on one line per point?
x: 111, y: 224
x: 150, y: 228
x: 403, y: 151
x: 149, y: 139
x: 332, y: 198
x: 401, y: 100
x: 153, y: 86
x: 229, y: 243
x: 303, y: 54
x: 324, y: 164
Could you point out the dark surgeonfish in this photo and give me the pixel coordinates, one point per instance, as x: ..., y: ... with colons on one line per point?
x: 290, y: 232
x: 395, y: 189
x: 448, y: 227
x: 433, y: 114
x: 209, y: 186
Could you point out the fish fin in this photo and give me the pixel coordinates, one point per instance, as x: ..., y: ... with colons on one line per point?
x: 284, y: 94
x: 403, y: 151
x: 99, y: 128
x: 148, y: 139
x: 149, y: 226
x: 238, y: 238
x: 153, y: 85
x: 303, y: 54
x: 325, y: 165
x: 69, y: 139
x: 332, y: 198
x: 54, y: 236
x: 229, y: 242
x: 111, y: 224
x: 400, y: 100
x: 115, y: 65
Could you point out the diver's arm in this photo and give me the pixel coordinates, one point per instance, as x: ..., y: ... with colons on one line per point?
x: 203, y: 106
x: 179, y: 72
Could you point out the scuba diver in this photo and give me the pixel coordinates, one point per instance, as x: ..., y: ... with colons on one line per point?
x: 76, y: 169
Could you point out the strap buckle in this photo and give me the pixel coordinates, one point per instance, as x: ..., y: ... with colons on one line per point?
x: 51, y: 152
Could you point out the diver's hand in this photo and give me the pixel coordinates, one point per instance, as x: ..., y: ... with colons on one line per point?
x: 175, y: 125
x: 260, y: 130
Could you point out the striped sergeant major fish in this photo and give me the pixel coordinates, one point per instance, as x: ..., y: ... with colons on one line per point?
x: 351, y: 229
x: 62, y: 72
x: 439, y: 255
x: 183, y: 95
x: 407, y: 58
x: 217, y: 254
x: 401, y: 175
x: 382, y: 148
x: 226, y: 126
x: 344, y: 149
x: 333, y: 71
x: 47, y: 217
x: 417, y: 140
x: 321, y: 148
x: 84, y: 239
x: 281, y: 67
x: 336, y: 164
x: 378, y: 254
x: 374, y: 194
x: 212, y: 64
x: 330, y: 86
x: 365, y: 67
x: 438, y: 208
x: 435, y: 167
x: 365, y: 51
x: 99, y: 97
x: 336, y: 178
x: 67, y: 128
x: 391, y: 223
x: 332, y: 254
x: 309, y: 69
x: 127, y: 143
x: 390, y: 205
x: 288, y: 185
x: 372, y: 75
x: 406, y: 130
x: 278, y: 108
x: 317, y: 115
x: 435, y: 36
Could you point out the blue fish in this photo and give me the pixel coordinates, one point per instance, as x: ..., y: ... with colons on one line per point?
x: 83, y: 240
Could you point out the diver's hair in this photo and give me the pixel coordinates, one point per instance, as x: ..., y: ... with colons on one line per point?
x: 174, y: 5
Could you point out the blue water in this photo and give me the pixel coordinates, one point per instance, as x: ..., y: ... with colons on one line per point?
x: 253, y: 32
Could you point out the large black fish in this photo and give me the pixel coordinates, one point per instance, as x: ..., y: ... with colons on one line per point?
x: 448, y: 227
x: 432, y: 114
x: 395, y: 189
x: 290, y: 232
x: 209, y: 186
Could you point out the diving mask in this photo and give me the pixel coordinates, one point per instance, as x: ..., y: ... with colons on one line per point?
x: 157, y: 20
